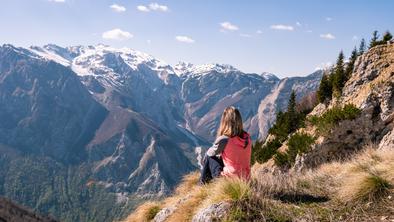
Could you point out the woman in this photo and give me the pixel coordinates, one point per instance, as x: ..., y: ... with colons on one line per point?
x: 231, y: 151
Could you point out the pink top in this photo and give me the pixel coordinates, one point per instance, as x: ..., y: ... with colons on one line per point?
x: 236, y: 157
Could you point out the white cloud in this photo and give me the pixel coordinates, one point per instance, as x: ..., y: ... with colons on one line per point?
x: 57, y: 1
x: 185, y: 39
x: 228, y: 26
x: 156, y: 7
x: 328, y: 19
x: 117, y: 34
x: 117, y: 8
x: 327, y: 36
x: 149, y: 41
x: 309, y: 31
x: 355, y: 38
x: 152, y: 7
x: 259, y: 32
x: 143, y: 8
x: 282, y: 27
x: 298, y: 24
x: 245, y: 35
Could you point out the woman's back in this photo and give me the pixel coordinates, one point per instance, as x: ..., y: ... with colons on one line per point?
x: 236, y: 156
x: 231, y: 152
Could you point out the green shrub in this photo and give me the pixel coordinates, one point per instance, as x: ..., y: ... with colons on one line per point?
x: 281, y: 159
x: 262, y: 153
x: 333, y: 116
x: 286, y: 123
x: 298, y: 143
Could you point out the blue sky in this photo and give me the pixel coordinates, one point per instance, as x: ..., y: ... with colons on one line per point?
x: 285, y: 37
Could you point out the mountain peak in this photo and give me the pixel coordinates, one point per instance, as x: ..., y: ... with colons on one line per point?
x: 183, y: 68
x: 221, y: 68
x: 268, y: 75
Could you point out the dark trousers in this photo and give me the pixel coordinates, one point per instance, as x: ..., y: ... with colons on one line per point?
x: 211, y: 168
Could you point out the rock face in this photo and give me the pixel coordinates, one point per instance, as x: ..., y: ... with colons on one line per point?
x: 207, y: 90
x: 44, y: 108
x: 370, y: 88
x: 206, y: 95
x: 11, y: 212
x: 163, y: 214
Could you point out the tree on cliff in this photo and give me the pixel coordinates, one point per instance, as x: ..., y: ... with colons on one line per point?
x: 387, y: 37
x: 325, y: 89
x: 374, y: 40
x: 292, y: 112
x: 339, y: 77
x: 362, y: 47
x: 350, y: 64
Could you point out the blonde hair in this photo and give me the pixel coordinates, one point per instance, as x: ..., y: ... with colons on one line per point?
x: 230, y: 123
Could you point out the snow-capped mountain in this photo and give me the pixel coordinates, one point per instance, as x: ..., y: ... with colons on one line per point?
x: 102, y: 60
x: 194, y: 94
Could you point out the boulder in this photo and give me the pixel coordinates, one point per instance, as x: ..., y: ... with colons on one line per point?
x: 213, y: 212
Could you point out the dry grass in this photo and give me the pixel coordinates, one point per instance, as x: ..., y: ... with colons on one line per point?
x: 356, y: 190
x: 228, y: 189
x: 188, y: 203
x: 184, y: 189
x: 368, y: 177
x: 199, y: 197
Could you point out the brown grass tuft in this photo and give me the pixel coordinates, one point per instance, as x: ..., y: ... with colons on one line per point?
x: 367, y: 178
x: 144, y: 213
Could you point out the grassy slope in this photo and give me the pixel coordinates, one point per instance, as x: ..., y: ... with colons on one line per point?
x: 358, y: 190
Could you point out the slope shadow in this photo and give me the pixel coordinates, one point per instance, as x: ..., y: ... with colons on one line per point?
x: 300, y: 198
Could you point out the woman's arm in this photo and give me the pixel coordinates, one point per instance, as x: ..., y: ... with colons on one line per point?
x: 218, y: 146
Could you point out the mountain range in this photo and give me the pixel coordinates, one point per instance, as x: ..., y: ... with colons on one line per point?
x: 87, y: 132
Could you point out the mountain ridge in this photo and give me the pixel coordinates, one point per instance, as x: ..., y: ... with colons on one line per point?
x: 152, y: 126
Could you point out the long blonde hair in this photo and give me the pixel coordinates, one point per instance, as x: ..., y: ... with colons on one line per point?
x: 231, y: 123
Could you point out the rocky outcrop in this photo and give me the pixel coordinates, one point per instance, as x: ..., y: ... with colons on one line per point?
x: 166, y: 212
x: 163, y: 214
x: 214, y: 212
x: 371, y: 89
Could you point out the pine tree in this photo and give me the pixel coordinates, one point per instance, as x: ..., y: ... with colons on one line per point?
x: 374, y: 39
x: 292, y: 113
x: 362, y: 47
x: 387, y: 37
x: 291, y: 106
x: 350, y: 64
x: 325, y: 89
x: 339, y: 77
